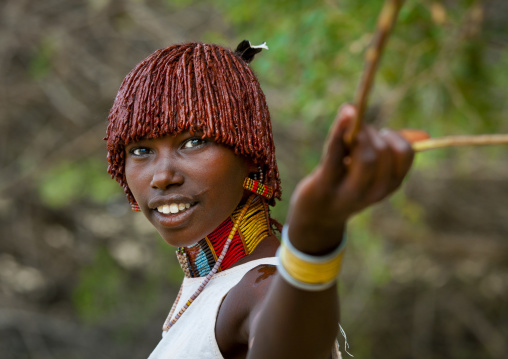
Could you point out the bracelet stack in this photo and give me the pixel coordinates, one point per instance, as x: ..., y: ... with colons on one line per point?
x: 307, y: 272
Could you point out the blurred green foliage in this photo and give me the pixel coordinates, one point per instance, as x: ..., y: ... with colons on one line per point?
x: 438, y: 57
x: 40, y: 64
x: 96, y: 295
x: 106, y: 289
x: 69, y: 182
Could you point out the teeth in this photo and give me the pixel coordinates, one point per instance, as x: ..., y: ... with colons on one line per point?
x: 173, y: 208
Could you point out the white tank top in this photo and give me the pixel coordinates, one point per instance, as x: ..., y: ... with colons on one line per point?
x: 193, y: 335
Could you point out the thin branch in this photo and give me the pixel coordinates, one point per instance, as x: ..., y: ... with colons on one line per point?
x: 452, y: 141
x: 373, y: 54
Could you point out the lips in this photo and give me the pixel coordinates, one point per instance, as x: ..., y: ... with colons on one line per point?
x: 172, y: 211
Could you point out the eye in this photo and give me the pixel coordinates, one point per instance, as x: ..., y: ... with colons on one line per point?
x: 193, y: 142
x: 139, y: 151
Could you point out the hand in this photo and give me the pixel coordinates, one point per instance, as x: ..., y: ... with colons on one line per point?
x: 348, y: 179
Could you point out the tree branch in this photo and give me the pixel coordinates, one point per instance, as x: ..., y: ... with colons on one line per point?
x: 385, y: 23
x: 453, y: 141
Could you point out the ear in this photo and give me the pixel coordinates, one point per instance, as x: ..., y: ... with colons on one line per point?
x: 252, y: 167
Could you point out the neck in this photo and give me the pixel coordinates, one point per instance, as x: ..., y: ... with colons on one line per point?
x: 199, y: 259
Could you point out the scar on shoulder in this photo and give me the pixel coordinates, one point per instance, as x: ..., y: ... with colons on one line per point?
x: 265, y: 271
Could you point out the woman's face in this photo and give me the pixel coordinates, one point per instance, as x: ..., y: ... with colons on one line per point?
x: 185, y: 185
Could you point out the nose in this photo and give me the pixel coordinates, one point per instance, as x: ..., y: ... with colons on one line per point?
x: 166, y: 174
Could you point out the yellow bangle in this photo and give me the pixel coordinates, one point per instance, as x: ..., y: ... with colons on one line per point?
x: 305, y: 271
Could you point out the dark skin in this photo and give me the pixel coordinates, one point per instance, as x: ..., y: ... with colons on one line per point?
x: 185, y: 169
x: 263, y: 316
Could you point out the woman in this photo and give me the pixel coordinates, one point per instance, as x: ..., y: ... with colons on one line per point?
x: 189, y: 139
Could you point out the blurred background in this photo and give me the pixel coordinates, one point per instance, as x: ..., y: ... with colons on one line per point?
x: 426, y: 273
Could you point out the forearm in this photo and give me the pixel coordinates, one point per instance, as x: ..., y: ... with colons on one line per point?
x: 297, y: 323
x: 293, y: 323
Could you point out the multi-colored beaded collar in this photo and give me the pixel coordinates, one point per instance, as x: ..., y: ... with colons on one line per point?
x: 199, y: 259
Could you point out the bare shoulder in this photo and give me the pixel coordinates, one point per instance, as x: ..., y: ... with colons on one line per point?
x: 250, y: 291
x: 256, y: 282
x: 233, y: 318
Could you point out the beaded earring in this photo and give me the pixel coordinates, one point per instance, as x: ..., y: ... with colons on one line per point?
x: 257, y: 186
x: 135, y: 207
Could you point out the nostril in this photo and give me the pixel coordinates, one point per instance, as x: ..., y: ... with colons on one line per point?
x: 165, y: 179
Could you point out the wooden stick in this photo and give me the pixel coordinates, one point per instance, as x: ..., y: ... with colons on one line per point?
x: 451, y: 141
x: 385, y: 23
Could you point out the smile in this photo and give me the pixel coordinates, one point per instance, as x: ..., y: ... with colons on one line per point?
x: 173, y: 208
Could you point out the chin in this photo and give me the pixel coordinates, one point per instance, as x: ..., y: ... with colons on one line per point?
x: 181, y: 239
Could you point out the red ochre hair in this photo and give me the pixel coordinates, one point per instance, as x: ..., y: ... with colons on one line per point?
x: 196, y: 87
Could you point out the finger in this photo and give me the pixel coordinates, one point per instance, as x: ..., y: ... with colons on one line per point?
x: 402, y: 153
x: 383, y: 180
x: 335, y: 148
x: 363, y: 167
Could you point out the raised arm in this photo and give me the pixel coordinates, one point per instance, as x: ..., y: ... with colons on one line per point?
x: 295, y: 323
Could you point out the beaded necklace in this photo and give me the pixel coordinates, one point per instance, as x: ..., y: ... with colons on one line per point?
x: 244, y: 229
x: 199, y: 259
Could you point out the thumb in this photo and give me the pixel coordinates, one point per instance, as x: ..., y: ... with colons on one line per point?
x: 335, y: 147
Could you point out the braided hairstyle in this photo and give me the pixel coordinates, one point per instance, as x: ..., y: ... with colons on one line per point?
x: 193, y: 87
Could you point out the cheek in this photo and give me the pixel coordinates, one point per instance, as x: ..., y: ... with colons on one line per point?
x: 132, y: 176
x: 228, y: 175
x: 238, y: 172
